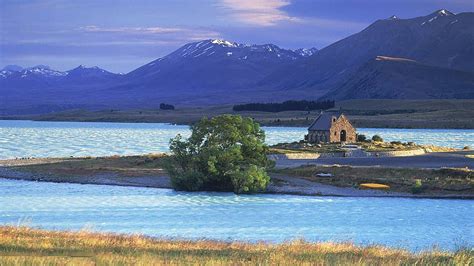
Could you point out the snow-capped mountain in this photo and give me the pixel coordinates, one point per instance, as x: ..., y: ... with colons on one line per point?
x: 210, y: 67
x: 235, y: 50
x: 440, y: 39
x: 5, y: 73
x: 42, y: 89
x: 438, y: 14
x: 46, y: 72
x: 41, y: 70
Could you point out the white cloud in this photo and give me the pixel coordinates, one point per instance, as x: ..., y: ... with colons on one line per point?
x: 138, y: 30
x: 258, y: 12
x: 148, y: 35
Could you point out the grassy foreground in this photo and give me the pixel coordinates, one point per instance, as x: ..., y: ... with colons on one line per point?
x: 21, y: 245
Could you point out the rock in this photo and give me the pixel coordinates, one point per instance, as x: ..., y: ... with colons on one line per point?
x: 324, y: 175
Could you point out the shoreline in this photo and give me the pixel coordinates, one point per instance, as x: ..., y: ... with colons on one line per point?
x: 282, y: 184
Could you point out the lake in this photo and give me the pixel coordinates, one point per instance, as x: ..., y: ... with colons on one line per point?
x: 409, y: 223
x: 64, y: 139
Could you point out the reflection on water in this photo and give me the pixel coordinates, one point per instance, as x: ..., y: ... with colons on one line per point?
x: 63, y: 139
x: 410, y: 223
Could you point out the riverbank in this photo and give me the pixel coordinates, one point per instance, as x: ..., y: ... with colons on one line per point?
x: 21, y: 245
x: 362, y: 113
x: 147, y: 171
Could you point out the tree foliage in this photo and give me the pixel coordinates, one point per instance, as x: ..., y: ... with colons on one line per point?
x: 164, y: 106
x: 377, y: 138
x: 225, y: 153
x: 285, y: 106
x: 361, y: 138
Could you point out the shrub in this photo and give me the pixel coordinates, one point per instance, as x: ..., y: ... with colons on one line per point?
x: 361, y: 138
x: 466, y: 148
x: 225, y: 153
x: 395, y: 143
x: 377, y: 138
x: 417, y: 187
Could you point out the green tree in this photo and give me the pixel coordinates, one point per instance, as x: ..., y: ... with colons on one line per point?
x: 225, y: 153
x: 361, y: 138
x: 377, y: 138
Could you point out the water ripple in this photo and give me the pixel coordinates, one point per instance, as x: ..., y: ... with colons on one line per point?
x: 412, y: 223
x: 64, y: 139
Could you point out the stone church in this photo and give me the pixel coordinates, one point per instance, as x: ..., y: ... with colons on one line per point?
x: 331, y: 127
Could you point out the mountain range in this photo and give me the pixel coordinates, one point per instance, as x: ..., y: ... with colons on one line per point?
x: 426, y: 57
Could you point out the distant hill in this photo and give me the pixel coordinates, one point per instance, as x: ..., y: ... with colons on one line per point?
x: 41, y: 89
x: 399, y: 78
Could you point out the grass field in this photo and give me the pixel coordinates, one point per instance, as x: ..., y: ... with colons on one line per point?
x: 427, y: 181
x: 25, y: 246
x: 363, y: 113
x: 368, y: 146
x: 126, y: 166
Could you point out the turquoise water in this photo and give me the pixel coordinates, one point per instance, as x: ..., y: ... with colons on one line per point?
x: 63, y: 139
x: 410, y: 223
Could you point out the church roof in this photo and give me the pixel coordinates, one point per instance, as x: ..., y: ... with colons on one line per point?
x: 324, y: 121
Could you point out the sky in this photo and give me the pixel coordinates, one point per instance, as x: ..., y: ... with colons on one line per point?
x: 121, y: 35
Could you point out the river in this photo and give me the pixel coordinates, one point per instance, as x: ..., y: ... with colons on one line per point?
x: 415, y: 224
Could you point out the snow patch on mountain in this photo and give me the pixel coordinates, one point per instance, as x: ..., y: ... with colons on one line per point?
x: 305, y: 52
x: 224, y: 43
x: 440, y: 13
x: 42, y: 70
x: 218, y: 47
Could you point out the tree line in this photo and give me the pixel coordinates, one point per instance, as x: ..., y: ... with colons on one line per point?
x: 164, y: 106
x: 285, y: 106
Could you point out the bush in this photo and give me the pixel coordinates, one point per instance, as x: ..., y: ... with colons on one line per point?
x: 396, y: 143
x: 377, y: 138
x: 361, y: 138
x: 466, y: 148
x: 417, y: 187
x: 225, y: 153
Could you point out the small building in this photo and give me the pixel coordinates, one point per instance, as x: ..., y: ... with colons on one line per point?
x: 331, y: 127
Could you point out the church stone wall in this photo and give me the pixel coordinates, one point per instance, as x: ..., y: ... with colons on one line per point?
x: 342, y: 124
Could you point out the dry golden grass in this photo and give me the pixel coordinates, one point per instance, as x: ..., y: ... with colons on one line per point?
x: 368, y: 146
x: 26, y: 246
